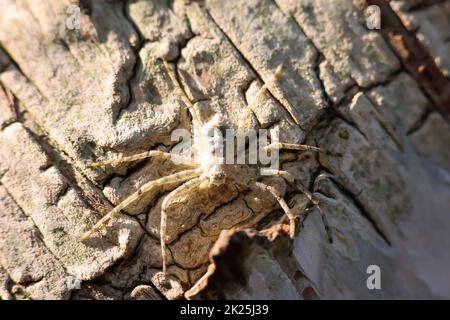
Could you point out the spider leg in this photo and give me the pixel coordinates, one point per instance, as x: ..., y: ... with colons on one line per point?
x: 140, y: 156
x: 261, y: 91
x: 282, y: 203
x: 291, y: 146
x: 174, y: 178
x: 186, y: 187
x: 196, y: 123
x: 291, y: 180
x: 180, y: 91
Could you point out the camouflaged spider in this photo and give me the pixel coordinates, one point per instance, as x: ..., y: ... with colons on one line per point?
x: 206, y: 169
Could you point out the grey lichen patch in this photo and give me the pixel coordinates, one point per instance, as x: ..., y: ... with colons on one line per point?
x: 400, y: 101
x: 376, y: 128
x: 85, y: 106
x: 367, y: 172
x: 61, y: 222
x: 267, y: 38
x: 334, y: 86
x: 337, y: 29
x: 25, y: 257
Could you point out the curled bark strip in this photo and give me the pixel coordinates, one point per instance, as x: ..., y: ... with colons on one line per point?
x: 415, y: 58
x: 240, y: 257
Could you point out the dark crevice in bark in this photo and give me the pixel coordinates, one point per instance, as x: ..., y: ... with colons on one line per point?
x: 320, y: 57
x: 137, y: 62
x: 12, y: 103
x: 360, y: 206
x: 6, y: 285
x: 61, y: 194
x: 323, y: 124
x: 13, y: 64
x: 425, y: 5
x: 5, y: 62
x: 418, y: 125
x: 31, y: 282
x: 415, y: 57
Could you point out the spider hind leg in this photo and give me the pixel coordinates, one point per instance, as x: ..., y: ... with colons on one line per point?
x: 141, y: 156
x: 174, y: 178
x: 291, y: 180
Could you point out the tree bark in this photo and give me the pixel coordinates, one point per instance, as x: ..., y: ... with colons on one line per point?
x: 82, y: 81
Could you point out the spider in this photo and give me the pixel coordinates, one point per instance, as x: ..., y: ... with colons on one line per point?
x: 206, y: 170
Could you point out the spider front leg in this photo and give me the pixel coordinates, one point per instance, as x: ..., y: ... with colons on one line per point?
x: 174, y: 178
x: 261, y: 91
x: 292, y: 146
x: 186, y: 187
x: 140, y: 156
x: 299, y: 147
x: 291, y: 180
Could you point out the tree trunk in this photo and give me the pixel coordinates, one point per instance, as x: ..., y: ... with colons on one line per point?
x: 83, y: 81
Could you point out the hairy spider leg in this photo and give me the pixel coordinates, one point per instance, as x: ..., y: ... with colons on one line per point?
x: 283, y: 204
x: 153, y: 153
x: 264, y: 88
x: 292, y: 146
x: 290, y: 178
x: 174, y: 178
x: 199, y: 141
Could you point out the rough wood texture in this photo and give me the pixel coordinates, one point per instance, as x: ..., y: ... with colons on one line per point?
x: 377, y: 101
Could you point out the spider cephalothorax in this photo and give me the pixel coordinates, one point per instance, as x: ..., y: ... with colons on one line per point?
x: 207, y: 168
